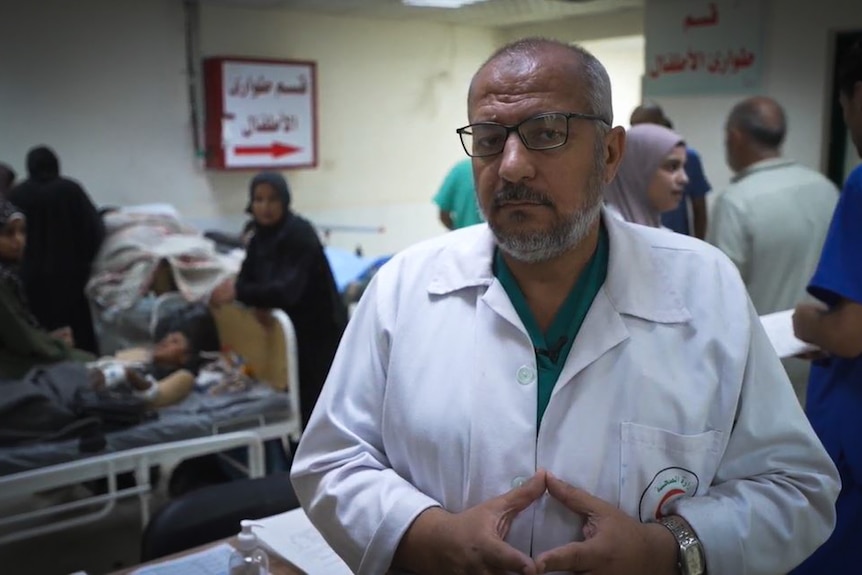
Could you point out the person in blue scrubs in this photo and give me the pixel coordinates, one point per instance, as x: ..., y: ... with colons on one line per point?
x: 697, y: 187
x: 834, y: 402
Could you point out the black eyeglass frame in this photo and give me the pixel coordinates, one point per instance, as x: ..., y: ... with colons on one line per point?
x: 517, y: 129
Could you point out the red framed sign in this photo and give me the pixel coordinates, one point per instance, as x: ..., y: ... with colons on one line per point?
x: 260, y: 113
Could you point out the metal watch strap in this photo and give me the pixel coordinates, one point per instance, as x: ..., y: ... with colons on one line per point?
x: 691, y: 560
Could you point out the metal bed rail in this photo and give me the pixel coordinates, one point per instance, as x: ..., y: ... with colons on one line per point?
x: 137, y: 460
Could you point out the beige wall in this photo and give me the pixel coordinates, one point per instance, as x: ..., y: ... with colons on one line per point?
x: 103, y: 82
x: 390, y: 97
x: 627, y: 22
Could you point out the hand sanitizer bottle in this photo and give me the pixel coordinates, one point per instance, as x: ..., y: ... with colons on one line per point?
x: 249, y: 557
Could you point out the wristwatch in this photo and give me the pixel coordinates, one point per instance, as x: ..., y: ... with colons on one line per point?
x: 691, y: 560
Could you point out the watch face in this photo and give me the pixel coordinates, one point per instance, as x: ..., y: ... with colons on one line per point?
x: 692, y: 561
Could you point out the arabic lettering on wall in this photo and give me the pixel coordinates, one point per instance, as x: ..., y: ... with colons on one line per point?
x: 719, y: 62
x: 270, y: 123
x: 250, y: 87
x: 703, y: 47
x: 710, y: 19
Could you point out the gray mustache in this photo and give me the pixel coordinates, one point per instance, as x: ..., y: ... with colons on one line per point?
x: 519, y: 193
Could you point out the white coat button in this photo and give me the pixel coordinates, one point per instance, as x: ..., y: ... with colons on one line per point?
x: 526, y: 375
x: 518, y: 482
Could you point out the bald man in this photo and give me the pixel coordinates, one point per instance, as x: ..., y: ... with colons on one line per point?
x: 773, y: 217
x: 695, y: 191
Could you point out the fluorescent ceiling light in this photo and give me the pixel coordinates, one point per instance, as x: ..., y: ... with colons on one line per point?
x: 440, y: 3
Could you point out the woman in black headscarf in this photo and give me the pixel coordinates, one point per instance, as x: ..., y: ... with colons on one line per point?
x: 286, y: 268
x: 64, y: 232
x: 24, y: 343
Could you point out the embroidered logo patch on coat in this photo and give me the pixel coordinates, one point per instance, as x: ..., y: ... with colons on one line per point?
x: 667, y: 486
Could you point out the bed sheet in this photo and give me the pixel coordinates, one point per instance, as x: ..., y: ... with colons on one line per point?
x: 200, y: 415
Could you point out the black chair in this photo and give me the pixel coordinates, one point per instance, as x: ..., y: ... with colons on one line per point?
x: 214, y: 512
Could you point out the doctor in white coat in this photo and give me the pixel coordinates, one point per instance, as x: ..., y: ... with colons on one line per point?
x: 557, y: 390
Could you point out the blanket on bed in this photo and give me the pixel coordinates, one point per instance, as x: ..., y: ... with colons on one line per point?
x: 44, y: 406
x: 134, y: 247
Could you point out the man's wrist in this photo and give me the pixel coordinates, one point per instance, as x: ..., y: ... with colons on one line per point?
x: 691, y: 559
x: 665, y: 548
x: 415, y: 541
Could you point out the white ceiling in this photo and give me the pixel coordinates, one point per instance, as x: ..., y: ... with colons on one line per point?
x: 490, y: 13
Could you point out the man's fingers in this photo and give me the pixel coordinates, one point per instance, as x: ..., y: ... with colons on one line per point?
x: 577, y: 556
x: 575, y: 499
x: 503, y: 557
x: 521, y: 497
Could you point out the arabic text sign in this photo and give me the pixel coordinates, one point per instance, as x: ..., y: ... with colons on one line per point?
x: 265, y: 113
x: 701, y: 47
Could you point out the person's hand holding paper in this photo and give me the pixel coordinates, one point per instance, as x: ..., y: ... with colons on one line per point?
x: 780, y: 328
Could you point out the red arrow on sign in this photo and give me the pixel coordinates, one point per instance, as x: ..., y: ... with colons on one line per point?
x: 276, y: 150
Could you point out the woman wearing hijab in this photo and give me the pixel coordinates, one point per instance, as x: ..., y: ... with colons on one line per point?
x: 286, y: 268
x: 24, y: 343
x: 64, y: 233
x: 651, y: 177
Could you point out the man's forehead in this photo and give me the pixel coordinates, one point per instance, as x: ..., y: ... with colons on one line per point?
x: 512, y: 79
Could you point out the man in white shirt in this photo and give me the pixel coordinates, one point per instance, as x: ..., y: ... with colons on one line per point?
x: 772, y: 219
x: 559, y: 391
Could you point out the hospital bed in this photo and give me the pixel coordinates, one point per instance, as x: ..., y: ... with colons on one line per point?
x: 197, y: 426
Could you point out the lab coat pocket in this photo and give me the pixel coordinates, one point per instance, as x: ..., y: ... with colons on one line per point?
x: 658, y: 467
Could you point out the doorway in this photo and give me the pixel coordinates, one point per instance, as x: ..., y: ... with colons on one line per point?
x: 842, y: 156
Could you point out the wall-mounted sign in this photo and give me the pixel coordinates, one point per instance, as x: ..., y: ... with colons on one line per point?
x: 260, y: 113
x: 700, y: 47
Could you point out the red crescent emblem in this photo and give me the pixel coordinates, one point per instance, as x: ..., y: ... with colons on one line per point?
x: 667, y: 497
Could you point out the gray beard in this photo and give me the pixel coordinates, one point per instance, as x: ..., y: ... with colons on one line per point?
x: 539, y: 247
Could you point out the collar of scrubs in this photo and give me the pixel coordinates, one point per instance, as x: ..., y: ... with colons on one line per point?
x: 552, y: 347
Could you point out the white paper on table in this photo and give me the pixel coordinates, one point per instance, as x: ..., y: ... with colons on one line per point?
x: 292, y: 536
x: 211, y: 561
x: 779, y: 328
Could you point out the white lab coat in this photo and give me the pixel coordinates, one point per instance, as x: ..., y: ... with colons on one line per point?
x: 671, y: 400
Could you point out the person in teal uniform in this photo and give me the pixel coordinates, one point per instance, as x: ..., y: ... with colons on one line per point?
x: 457, y: 198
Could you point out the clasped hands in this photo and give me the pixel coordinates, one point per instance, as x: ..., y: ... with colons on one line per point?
x: 473, y: 542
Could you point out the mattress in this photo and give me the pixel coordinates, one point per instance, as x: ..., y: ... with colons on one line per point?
x: 199, y: 415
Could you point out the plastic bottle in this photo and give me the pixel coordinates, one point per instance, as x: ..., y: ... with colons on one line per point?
x: 249, y: 557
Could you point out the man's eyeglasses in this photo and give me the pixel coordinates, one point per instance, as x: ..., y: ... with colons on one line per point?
x: 542, y: 132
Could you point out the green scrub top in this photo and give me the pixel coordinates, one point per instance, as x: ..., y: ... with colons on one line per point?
x: 552, y: 347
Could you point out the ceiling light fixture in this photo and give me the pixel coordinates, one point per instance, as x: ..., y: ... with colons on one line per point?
x: 440, y: 3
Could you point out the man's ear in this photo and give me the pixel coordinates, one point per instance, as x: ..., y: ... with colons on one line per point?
x: 615, y: 147
x: 735, y: 136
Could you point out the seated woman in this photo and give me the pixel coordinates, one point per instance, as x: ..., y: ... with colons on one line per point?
x: 651, y: 177
x: 24, y: 343
x: 286, y: 268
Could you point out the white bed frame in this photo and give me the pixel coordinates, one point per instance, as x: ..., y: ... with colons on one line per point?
x: 25, y: 484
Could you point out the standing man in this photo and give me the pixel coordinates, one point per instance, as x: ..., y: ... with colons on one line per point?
x: 558, y: 390
x: 696, y: 189
x: 835, y: 326
x: 64, y: 232
x: 457, y: 198
x: 772, y: 219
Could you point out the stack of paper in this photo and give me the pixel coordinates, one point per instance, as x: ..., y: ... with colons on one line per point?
x: 779, y: 328
x: 292, y: 536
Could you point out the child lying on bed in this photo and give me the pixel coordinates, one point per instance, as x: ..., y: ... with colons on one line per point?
x: 165, y: 374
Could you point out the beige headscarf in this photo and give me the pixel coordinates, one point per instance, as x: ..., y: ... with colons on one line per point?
x: 647, y: 145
